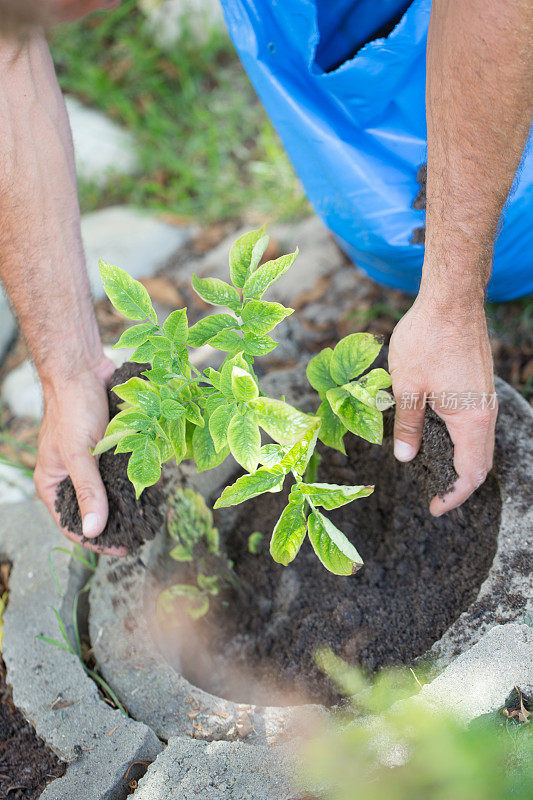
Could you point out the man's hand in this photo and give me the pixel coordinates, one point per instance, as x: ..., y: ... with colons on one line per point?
x: 75, y: 418
x: 443, y: 353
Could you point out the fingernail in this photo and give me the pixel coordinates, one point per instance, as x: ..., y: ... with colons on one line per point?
x: 90, y: 524
x: 403, y: 451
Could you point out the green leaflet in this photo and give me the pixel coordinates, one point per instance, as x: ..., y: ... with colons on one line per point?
x: 127, y: 295
x: 227, y: 370
x: 245, y: 255
x: 255, y: 542
x: 181, y: 553
x: 144, y: 466
x: 258, y: 282
x: 197, y: 603
x: 218, y: 425
x: 271, y: 454
x: 375, y: 380
x: 149, y: 402
x: 318, y: 371
x: 352, y: 355
x: 193, y: 414
x: 331, y: 428
x: 243, y: 386
x: 244, y: 440
x: 143, y: 353
x: 248, y: 486
x: 109, y: 441
x: 284, y: 423
x: 162, y: 347
x: 132, y: 419
x: 207, y: 327
x: 331, y: 495
x: 136, y: 335
x: 175, y: 430
x: 130, y: 442
x: 298, y: 456
x: 254, y: 345
x: 176, y: 328
x: 336, y: 553
x: 171, y: 409
x: 360, y: 419
x: 217, y: 292
x: 205, y: 453
x: 214, y: 376
x: 227, y: 340
x: 360, y: 393
x: 129, y: 391
x: 260, y: 317
x: 288, y: 534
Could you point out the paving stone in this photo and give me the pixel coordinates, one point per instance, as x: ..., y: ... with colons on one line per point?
x: 15, y: 485
x: 102, y: 147
x: 480, y: 680
x: 193, y: 770
x: 137, y: 241
x: 169, y: 20
x: 99, y: 742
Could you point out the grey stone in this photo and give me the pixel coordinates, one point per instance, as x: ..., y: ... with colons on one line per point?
x: 169, y: 20
x: 8, y: 324
x: 193, y: 770
x: 137, y: 241
x: 98, y: 742
x: 15, y: 485
x: 480, y: 679
x: 22, y: 391
x: 102, y: 148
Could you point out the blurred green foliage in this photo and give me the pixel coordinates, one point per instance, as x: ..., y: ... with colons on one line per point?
x: 207, y: 148
x: 373, y: 751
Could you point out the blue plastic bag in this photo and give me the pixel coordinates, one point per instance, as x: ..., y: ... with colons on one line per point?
x: 354, y: 127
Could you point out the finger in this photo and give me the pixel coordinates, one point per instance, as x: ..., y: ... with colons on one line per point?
x: 472, y: 435
x: 90, y: 493
x: 47, y: 489
x: 408, y: 426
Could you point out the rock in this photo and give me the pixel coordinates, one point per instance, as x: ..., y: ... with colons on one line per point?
x: 195, y: 770
x: 480, y: 679
x: 22, y: 391
x: 8, y: 325
x: 168, y: 20
x: 99, y: 743
x: 127, y: 237
x: 102, y: 148
x: 15, y: 485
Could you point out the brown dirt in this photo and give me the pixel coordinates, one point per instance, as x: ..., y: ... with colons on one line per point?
x: 420, y: 573
x: 131, y: 522
x: 26, y: 764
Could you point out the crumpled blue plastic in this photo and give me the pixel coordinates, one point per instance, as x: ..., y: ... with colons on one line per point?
x: 352, y: 119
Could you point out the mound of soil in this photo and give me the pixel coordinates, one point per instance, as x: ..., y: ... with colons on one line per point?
x: 420, y: 573
x: 131, y: 521
x: 26, y: 764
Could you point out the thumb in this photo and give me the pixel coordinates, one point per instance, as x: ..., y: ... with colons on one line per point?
x: 408, y: 425
x: 90, y: 493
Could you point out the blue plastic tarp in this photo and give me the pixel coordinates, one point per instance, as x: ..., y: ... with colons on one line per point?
x: 352, y: 119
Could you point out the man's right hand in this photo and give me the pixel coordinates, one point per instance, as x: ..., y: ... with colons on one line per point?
x: 75, y: 418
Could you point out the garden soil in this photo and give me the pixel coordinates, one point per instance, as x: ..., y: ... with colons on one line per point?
x: 26, y: 764
x: 420, y: 573
x: 131, y: 521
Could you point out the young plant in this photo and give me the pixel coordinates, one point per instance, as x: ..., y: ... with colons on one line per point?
x: 177, y: 411
x: 190, y: 524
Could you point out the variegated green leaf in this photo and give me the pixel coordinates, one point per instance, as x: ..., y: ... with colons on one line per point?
x: 248, y: 486
x: 359, y: 418
x: 260, y: 317
x: 267, y: 274
x: 218, y: 424
x: 334, y: 550
x: 281, y: 421
x: 243, y: 386
x: 318, y: 371
x: 127, y: 295
x: 217, y: 292
x: 175, y: 327
x: 352, y: 355
x: 244, y: 440
x: 288, y: 534
x: 245, y: 255
x: 331, y: 428
x: 144, y: 466
x: 331, y: 495
x: 206, y: 328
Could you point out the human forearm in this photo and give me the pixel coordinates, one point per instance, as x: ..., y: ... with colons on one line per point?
x: 41, y: 256
x: 479, y: 104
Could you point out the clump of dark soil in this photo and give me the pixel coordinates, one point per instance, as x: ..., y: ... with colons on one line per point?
x: 26, y: 764
x: 131, y: 521
x: 420, y: 573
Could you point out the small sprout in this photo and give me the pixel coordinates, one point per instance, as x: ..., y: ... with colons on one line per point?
x: 255, y: 542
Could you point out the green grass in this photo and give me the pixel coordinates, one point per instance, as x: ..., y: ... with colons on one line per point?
x: 207, y: 148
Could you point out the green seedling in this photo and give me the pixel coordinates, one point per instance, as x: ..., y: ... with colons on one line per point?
x: 177, y: 411
x: 190, y: 525
x: 255, y: 542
